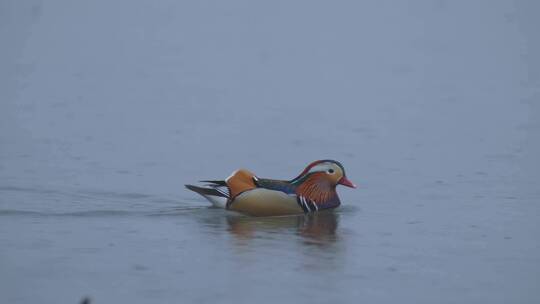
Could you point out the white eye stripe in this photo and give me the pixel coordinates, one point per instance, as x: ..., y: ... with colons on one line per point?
x: 320, y: 168
x: 330, y: 168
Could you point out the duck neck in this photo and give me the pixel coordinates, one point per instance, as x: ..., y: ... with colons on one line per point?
x: 318, y: 190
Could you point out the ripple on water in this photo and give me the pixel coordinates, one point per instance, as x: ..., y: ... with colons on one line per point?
x: 36, y: 201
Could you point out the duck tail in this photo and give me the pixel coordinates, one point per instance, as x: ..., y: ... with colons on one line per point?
x: 215, y: 182
x: 218, y: 196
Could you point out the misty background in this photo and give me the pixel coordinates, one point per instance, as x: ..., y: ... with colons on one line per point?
x: 108, y: 107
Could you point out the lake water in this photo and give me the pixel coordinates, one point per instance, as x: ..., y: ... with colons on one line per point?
x: 108, y: 108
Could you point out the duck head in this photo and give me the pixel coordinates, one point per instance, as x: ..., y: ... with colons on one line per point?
x: 324, y: 173
x: 319, y: 180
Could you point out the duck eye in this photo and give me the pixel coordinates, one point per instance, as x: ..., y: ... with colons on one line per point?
x: 330, y: 171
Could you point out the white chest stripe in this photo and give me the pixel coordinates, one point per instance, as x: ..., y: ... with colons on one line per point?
x: 315, y: 205
x: 308, y: 205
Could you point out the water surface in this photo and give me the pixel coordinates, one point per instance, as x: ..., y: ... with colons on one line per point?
x: 108, y: 108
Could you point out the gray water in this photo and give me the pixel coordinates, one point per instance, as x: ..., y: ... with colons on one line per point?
x: 108, y: 107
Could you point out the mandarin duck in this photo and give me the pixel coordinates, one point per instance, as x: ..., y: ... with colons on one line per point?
x: 313, y: 190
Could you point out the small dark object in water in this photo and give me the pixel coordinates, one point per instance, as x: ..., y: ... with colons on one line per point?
x: 86, y: 300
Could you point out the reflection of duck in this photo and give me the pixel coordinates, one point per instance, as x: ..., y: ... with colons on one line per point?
x: 318, y: 227
x: 313, y: 190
